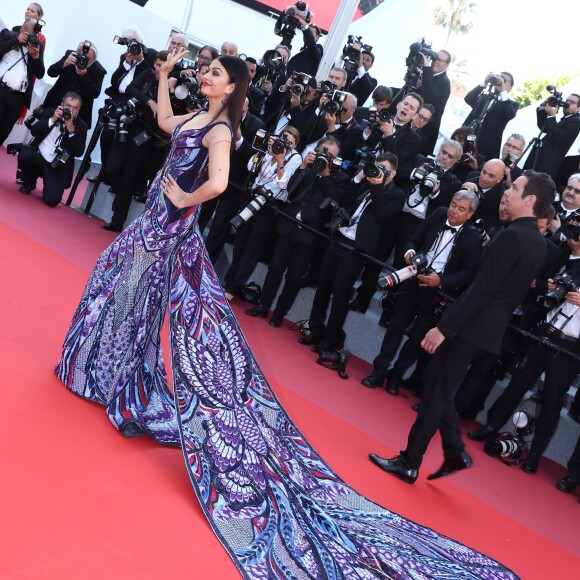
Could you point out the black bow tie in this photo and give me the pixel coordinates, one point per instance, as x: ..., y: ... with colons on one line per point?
x: 450, y: 228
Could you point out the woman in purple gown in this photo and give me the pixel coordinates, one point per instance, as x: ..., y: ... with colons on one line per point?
x: 275, y: 505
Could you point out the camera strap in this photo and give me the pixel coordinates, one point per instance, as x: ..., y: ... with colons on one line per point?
x: 21, y: 59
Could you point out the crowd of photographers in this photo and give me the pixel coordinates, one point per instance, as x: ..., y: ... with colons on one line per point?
x: 328, y: 191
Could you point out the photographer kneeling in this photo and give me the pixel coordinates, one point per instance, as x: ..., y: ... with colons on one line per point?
x: 373, y: 200
x: 256, y: 226
x: 58, y: 137
x: 314, y: 189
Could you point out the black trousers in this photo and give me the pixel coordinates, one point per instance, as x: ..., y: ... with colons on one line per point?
x: 11, y: 104
x: 437, y: 410
x: 408, y: 223
x: 33, y: 166
x: 574, y: 462
x: 339, y: 271
x: 292, y: 256
x: 249, y: 244
x: 413, y: 304
x: 560, y: 372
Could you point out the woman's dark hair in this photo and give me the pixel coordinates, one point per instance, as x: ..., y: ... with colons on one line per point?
x: 238, y: 74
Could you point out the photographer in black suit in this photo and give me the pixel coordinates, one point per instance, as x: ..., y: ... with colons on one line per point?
x: 363, y: 84
x: 78, y: 71
x: 568, y: 204
x: 308, y: 58
x: 492, y: 109
x: 511, y: 153
x: 371, y: 203
x: 58, y: 137
x: 21, y: 61
x: 310, y: 191
x: 548, y: 153
x: 472, y: 327
x: 452, y: 247
x: 382, y: 97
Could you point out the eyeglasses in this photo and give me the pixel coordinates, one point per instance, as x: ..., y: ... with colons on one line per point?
x: 569, y: 102
x: 422, y: 118
x: 510, y: 146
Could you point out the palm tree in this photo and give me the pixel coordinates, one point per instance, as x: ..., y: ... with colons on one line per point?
x: 455, y: 19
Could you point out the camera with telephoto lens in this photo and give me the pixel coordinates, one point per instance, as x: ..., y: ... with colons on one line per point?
x: 351, y: 53
x: 287, y: 22
x: 418, y: 266
x: 564, y: 283
x: 555, y: 99
x: 335, y: 360
x: 414, y: 62
x: 300, y: 82
x: 376, y: 117
x: 427, y: 176
x: 327, y: 88
x: 61, y: 156
x: 334, y: 104
x: 494, y: 79
x: 261, y: 197
x: 365, y: 160
x: 571, y: 227
x: 83, y: 58
x: 340, y: 217
x: 469, y: 148
x: 133, y: 47
x: 507, y: 446
x: 34, y: 116
x: 324, y: 160
x: 120, y: 117
x: 188, y: 94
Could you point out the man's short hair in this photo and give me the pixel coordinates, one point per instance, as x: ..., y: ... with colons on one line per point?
x: 251, y: 59
x: 162, y: 55
x: 452, y: 143
x: 329, y: 140
x: 509, y: 76
x: 543, y: 187
x: 416, y: 96
x: 370, y: 54
x: 382, y: 93
x: 72, y: 95
x: 390, y: 157
x: 317, y: 28
x: 575, y: 176
x: 134, y: 31
x: 575, y: 95
x: 550, y: 213
x: 471, y: 196
x: 350, y: 98
x: 429, y: 107
x: 518, y: 137
x: 341, y: 71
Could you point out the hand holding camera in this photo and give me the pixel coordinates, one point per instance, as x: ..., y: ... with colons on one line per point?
x: 308, y: 160
x: 71, y: 59
x: 64, y: 115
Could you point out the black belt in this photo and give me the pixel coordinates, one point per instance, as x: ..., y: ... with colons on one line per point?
x: 8, y: 88
x: 556, y: 333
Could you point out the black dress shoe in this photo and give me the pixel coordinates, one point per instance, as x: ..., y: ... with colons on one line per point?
x: 396, y: 466
x: 276, y: 319
x: 113, y: 227
x: 483, y: 434
x: 309, y: 340
x: 359, y: 305
x: 393, y: 382
x: 25, y: 189
x: 453, y: 464
x: 416, y: 406
x: 567, y: 484
x: 530, y: 465
x: 257, y: 312
x: 373, y: 381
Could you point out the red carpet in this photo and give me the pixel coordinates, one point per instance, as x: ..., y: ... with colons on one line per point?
x: 80, y: 500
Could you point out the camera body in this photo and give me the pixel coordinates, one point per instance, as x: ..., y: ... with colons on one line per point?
x: 510, y: 160
x: 564, y: 284
x: 188, y: 94
x: 324, y: 160
x: 507, y: 447
x: 133, y: 47
x: 33, y: 39
x: 416, y: 52
x: 418, y: 265
x: 66, y: 114
x: 351, y: 53
x: 62, y: 156
x: 427, y: 176
x: 261, y: 142
x: 494, y: 79
x: 120, y: 117
x: 83, y: 58
x: 555, y: 99
x: 340, y: 217
x: 261, y: 196
x: 287, y: 22
x: 335, y: 102
x: 300, y: 82
x: 14, y: 148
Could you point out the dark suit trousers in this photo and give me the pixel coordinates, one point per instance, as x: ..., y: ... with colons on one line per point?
x: 291, y: 256
x: 10, y: 107
x: 338, y: 272
x: 33, y: 166
x: 574, y: 462
x: 560, y: 372
x: 407, y: 224
x: 437, y: 411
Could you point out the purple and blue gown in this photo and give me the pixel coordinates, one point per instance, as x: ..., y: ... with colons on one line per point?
x: 276, y: 506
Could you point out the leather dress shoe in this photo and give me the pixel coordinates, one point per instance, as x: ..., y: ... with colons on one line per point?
x: 373, y: 381
x: 416, y: 406
x: 483, y: 434
x: 567, y: 484
x: 309, y: 340
x: 396, y: 466
x: 393, y: 382
x: 25, y: 189
x: 276, y: 319
x: 257, y: 312
x: 453, y: 464
x: 113, y: 227
x: 530, y: 465
x: 359, y: 305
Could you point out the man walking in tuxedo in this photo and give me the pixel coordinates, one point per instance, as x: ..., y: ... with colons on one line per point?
x: 473, y: 326
x: 548, y: 153
x: 492, y: 109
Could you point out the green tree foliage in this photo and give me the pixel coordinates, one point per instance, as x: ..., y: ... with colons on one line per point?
x: 534, y: 90
x: 454, y: 19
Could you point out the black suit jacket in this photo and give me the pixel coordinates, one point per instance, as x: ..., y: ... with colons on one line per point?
x: 75, y: 145
x: 349, y: 135
x: 34, y: 68
x: 386, y: 204
x: 490, y: 131
x: 463, y: 260
x: 434, y: 90
x: 404, y: 143
x: 556, y: 142
x: 119, y: 74
x: 308, y: 58
x: 510, y: 261
x: 88, y: 86
x: 488, y: 208
x: 239, y: 158
x: 362, y: 88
